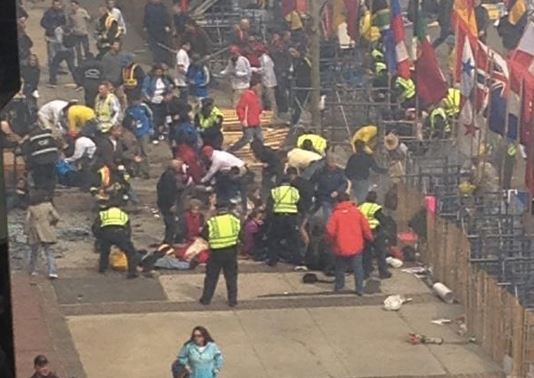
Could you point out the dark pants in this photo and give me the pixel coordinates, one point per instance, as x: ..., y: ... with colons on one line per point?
x: 159, y: 54
x: 284, y: 227
x: 90, y: 92
x: 341, y: 265
x: 184, y: 94
x: 62, y: 56
x: 281, y: 93
x: 44, y: 177
x: 376, y: 248
x: 118, y: 237
x: 299, y: 104
x: 171, y: 225
x: 213, y: 137
x: 225, y: 259
x: 82, y: 43
x: 158, y: 113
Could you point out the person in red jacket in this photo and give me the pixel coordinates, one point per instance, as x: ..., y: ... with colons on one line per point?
x: 248, y: 112
x: 348, y: 229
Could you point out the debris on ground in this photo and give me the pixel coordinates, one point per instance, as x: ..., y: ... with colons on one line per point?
x: 395, y: 302
x: 441, y: 321
x: 443, y: 292
x: 416, y: 339
x: 394, y: 262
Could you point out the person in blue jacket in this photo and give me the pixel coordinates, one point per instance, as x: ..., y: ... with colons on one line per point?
x: 185, y: 132
x: 198, y: 77
x: 155, y: 86
x: 200, y: 355
x: 139, y: 120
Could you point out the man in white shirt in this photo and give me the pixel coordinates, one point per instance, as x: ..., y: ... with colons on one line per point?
x: 182, y: 65
x: 221, y: 161
x: 240, y: 72
x: 117, y: 14
x: 51, y: 117
x: 83, y: 147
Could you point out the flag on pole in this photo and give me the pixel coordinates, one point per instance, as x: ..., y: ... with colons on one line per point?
x: 504, y: 105
x: 431, y: 83
x: 464, y: 17
x: 398, y: 50
x: 524, y: 54
x: 468, y: 69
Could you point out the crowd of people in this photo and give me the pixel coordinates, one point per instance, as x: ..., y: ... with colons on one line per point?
x: 303, y: 207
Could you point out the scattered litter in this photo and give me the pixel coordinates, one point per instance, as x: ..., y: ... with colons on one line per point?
x: 394, y: 262
x: 395, y: 302
x: 462, y: 330
x: 417, y: 270
x: 443, y: 292
x: 441, y: 321
x: 416, y: 339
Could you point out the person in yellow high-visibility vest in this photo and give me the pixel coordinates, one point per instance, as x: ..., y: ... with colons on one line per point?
x: 112, y: 227
x: 107, y: 107
x: 405, y: 89
x: 373, y: 213
x: 451, y: 102
x: 222, y: 233
x: 320, y: 144
x: 283, y: 210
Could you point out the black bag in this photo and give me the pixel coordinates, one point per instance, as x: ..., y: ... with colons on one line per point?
x: 178, y: 370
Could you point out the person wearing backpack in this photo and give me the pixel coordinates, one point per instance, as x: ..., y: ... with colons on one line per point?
x: 65, y: 53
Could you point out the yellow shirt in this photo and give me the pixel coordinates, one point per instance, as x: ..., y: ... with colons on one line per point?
x: 366, y: 134
x: 77, y: 117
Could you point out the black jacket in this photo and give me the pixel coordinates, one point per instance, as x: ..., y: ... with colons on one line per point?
x: 306, y: 192
x: 359, y: 166
x: 91, y: 73
x: 156, y: 19
x: 52, y: 19
x: 302, y: 72
x: 170, y: 189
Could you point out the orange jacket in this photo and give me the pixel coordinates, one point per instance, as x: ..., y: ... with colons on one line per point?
x: 348, y: 229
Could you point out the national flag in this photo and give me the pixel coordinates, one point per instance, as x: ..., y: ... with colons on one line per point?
x: 402, y: 60
x: 432, y: 85
x: 464, y: 17
x: 524, y: 53
x: 468, y: 69
x: 492, y: 69
x: 504, y: 104
x: 353, y: 15
x: 517, y: 9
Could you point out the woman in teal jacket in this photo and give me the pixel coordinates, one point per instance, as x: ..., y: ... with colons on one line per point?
x: 200, y: 355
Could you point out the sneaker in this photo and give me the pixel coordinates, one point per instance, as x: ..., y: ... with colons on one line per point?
x: 203, y: 302
x: 53, y: 276
x: 155, y: 142
x: 359, y: 294
x: 385, y: 275
x: 301, y: 268
x: 161, y: 138
x: 232, y: 304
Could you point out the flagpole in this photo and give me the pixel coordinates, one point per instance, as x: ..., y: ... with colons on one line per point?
x: 505, y: 138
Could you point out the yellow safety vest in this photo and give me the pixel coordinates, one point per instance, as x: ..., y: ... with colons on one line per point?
x: 380, y: 67
x: 223, y: 231
x: 128, y: 77
x: 104, y: 110
x: 369, y: 210
x: 511, y: 150
x: 318, y: 142
x: 285, y: 198
x: 113, y: 217
x: 439, y: 112
x: 452, y: 102
x: 209, y: 121
x: 408, y: 88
